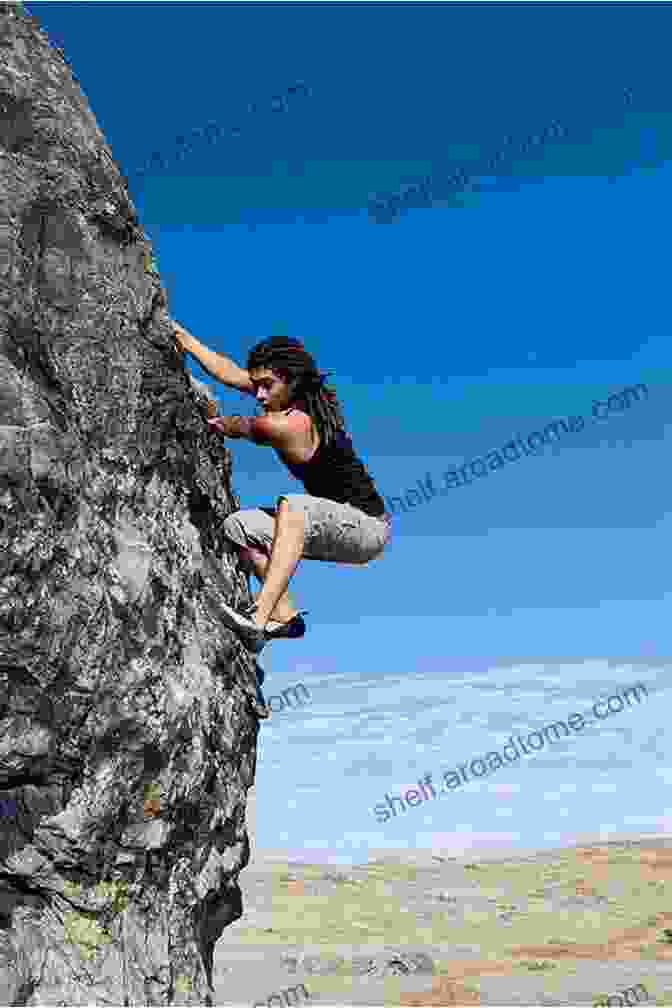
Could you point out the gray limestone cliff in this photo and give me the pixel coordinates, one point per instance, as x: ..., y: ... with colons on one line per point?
x: 128, y: 712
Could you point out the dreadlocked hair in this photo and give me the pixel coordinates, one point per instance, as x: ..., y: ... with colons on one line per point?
x: 292, y: 362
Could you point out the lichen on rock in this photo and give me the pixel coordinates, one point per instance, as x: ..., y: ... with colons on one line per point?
x: 128, y: 711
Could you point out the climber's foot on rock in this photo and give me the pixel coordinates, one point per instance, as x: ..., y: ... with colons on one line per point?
x: 243, y: 623
x: 295, y: 627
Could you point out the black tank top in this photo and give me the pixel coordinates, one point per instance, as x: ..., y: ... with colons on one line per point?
x: 336, y: 473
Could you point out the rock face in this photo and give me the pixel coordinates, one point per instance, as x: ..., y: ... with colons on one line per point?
x: 128, y: 712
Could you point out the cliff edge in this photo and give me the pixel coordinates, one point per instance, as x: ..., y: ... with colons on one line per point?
x: 128, y: 712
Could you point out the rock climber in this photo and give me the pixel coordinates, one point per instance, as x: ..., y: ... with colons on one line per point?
x: 340, y: 517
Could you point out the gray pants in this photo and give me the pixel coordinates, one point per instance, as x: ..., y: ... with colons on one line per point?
x: 337, y: 532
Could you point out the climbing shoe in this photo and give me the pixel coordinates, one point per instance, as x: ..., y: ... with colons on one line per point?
x: 241, y: 621
x: 295, y: 627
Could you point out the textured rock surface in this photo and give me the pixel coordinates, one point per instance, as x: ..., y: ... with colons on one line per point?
x: 128, y: 712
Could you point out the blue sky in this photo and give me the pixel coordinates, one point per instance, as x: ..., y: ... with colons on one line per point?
x: 450, y: 331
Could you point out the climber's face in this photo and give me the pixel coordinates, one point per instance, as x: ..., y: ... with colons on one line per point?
x: 270, y: 389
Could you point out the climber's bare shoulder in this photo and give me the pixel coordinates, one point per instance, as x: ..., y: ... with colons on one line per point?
x: 292, y: 434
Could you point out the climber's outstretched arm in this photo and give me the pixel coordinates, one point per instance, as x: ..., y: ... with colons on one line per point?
x: 217, y: 365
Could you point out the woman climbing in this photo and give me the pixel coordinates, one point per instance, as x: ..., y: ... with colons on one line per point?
x: 340, y: 517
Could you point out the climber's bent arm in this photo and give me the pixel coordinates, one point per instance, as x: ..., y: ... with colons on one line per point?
x: 284, y: 432
x: 217, y: 365
x: 236, y: 427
